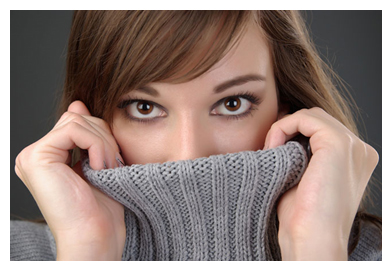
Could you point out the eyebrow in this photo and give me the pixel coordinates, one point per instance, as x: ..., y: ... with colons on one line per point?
x: 149, y: 90
x: 240, y: 80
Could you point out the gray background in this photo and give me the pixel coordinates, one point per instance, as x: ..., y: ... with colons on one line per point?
x: 349, y: 40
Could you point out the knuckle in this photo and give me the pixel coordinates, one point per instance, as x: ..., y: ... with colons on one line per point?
x: 302, y: 111
x: 305, y: 113
x: 64, y: 116
x: 18, y: 163
x: 18, y: 171
x: 364, y: 154
x: 73, y: 117
x: 274, y: 126
x: 21, y: 160
x: 68, y: 116
x: 72, y: 126
x: 317, y: 110
x: 77, y: 121
x: 372, y: 154
x: 349, y: 140
x: 23, y: 156
x: 77, y: 118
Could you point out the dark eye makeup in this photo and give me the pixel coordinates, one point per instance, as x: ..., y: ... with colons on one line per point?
x: 254, y: 101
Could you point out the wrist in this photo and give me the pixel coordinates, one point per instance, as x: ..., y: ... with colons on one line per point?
x: 86, y: 251
x: 320, y: 247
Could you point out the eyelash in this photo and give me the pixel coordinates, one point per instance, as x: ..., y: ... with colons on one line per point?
x: 123, y: 105
x: 255, y: 101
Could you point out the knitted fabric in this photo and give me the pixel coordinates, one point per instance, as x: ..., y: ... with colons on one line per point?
x: 221, y: 207
x: 31, y: 241
x: 206, y: 229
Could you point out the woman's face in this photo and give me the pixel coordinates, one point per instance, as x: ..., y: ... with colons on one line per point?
x: 204, y: 116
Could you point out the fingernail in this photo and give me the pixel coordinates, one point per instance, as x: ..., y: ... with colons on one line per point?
x: 120, y: 164
x: 120, y: 161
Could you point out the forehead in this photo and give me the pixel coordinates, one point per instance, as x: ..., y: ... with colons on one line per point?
x: 250, y: 55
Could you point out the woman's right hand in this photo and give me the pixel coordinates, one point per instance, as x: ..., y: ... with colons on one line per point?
x: 86, y: 224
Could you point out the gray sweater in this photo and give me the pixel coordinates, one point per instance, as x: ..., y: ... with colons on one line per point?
x: 221, y: 207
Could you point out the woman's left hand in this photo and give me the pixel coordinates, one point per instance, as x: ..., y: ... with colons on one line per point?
x: 315, y: 217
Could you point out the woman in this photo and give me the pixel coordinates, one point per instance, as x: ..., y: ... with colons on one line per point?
x: 151, y: 87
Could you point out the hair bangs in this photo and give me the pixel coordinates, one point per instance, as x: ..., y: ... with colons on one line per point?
x: 180, y: 46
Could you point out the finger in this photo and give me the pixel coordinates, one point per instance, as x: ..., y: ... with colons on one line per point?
x: 97, y: 126
x: 96, y: 123
x: 110, y: 146
x: 278, y: 136
x: 100, y: 128
x: 104, y: 129
x: 78, y: 112
x: 76, y: 107
x: 76, y: 135
x: 303, y: 121
x: 79, y: 108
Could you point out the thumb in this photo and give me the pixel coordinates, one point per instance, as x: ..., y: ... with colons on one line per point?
x: 79, y: 107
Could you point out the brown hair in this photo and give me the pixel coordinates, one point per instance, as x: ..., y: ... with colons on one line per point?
x: 113, y: 52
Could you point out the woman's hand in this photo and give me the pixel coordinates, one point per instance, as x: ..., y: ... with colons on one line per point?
x: 86, y: 224
x: 315, y: 217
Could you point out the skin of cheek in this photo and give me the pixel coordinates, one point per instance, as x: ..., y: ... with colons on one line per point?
x: 245, y: 134
x: 139, y: 143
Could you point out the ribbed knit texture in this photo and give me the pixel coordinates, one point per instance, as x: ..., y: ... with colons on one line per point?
x: 221, y: 207
x: 31, y: 241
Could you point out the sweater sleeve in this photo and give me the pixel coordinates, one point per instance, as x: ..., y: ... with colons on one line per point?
x: 369, y: 245
x: 31, y: 241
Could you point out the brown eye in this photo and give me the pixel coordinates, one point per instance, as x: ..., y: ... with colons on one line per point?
x: 232, y: 104
x: 144, y: 107
x: 143, y: 110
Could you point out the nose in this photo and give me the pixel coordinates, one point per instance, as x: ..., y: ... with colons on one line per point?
x: 191, y: 138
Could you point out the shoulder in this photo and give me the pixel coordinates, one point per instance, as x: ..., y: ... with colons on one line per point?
x: 30, y: 241
x: 369, y: 247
